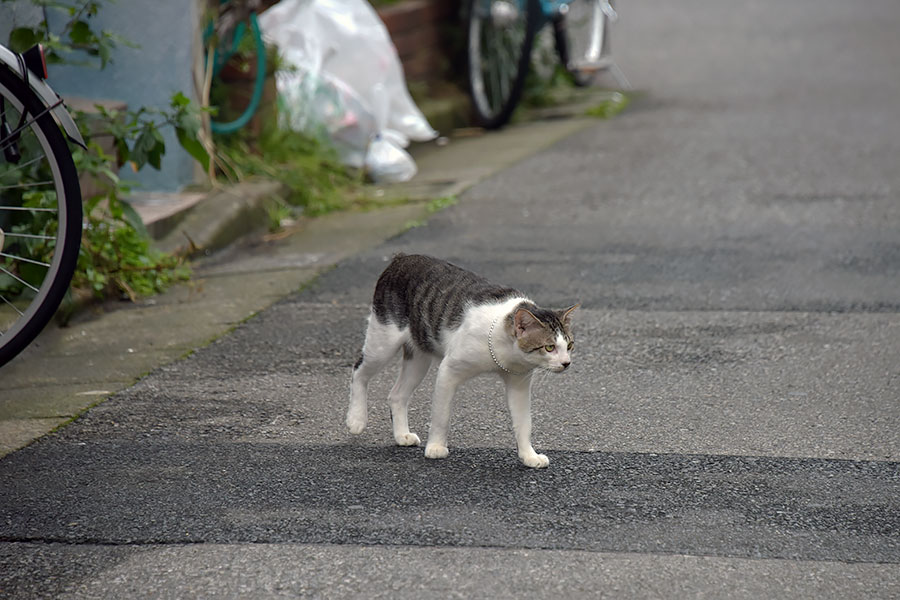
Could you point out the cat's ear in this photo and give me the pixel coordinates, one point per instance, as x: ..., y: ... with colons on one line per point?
x: 566, y: 315
x: 525, y: 322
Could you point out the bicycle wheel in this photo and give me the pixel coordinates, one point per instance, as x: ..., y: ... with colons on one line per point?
x: 40, y: 215
x: 500, y: 37
x: 581, y: 31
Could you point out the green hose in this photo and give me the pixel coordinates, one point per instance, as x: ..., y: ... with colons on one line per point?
x: 242, y: 120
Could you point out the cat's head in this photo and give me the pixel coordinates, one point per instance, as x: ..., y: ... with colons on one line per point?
x: 544, y: 337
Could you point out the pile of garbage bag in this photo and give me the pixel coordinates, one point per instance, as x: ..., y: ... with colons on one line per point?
x: 343, y: 82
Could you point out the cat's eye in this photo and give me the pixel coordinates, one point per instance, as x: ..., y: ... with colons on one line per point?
x: 570, y: 346
x: 549, y: 347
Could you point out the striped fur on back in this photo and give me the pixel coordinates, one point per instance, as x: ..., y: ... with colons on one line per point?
x: 431, y: 295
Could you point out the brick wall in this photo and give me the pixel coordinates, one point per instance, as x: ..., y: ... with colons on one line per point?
x: 426, y: 33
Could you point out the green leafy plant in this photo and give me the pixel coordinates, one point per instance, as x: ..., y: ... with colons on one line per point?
x: 76, y: 34
x: 551, y: 89
x: 439, y: 204
x: 609, y: 106
x: 137, y: 135
x: 280, y: 214
x: 311, y: 172
x: 433, y: 206
x: 116, y: 257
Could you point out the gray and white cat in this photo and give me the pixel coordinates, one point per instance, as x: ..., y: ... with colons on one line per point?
x: 436, y: 312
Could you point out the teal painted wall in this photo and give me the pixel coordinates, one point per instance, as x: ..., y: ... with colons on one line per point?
x: 165, y: 32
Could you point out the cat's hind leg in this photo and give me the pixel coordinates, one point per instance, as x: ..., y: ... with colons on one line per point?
x: 383, y: 341
x: 412, y: 371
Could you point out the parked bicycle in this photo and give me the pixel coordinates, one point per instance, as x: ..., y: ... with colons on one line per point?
x: 40, y: 200
x: 501, y: 36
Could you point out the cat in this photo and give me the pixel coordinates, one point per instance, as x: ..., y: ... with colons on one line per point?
x: 432, y: 311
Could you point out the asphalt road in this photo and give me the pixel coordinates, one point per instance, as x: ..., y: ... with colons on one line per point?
x: 730, y: 426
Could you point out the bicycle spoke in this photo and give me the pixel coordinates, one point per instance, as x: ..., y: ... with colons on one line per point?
x: 26, y: 260
x: 29, y: 236
x: 501, y: 63
x: 11, y: 139
x: 53, y: 210
x: 501, y: 70
x: 508, y: 60
x: 19, y: 167
x: 511, y: 50
x: 27, y: 185
x: 12, y: 306
x: 495, y: 99
x: 20, y: 280
x: 485, y: 45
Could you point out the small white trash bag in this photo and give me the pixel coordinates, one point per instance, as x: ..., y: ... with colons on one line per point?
x: 345, y: 82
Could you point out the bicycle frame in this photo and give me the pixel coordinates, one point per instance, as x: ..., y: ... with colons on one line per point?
x: 551, y: 8
x: 598, y: 52
x: 50, y: 99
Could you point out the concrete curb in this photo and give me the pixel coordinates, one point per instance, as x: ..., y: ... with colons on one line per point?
x: 223, y: 216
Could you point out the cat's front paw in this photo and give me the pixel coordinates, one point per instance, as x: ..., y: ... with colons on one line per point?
x: 407, y: 439
x: 356, y: 423
x: 535, y: 460
x: 436, y: 451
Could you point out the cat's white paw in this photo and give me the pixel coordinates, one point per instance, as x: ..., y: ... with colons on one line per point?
x: 535, y: 461
x: 436, y: 451
x: 356, y: 423
x: 407, y: 439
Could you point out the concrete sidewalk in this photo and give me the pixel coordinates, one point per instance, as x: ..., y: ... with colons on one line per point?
x: 108, y: 348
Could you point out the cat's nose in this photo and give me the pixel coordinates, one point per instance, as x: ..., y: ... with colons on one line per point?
x: 565, y: 365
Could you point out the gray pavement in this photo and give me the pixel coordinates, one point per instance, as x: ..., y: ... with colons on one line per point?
x: 729, y: 425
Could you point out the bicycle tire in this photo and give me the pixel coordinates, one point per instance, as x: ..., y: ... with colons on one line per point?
x: 582, y: 40
x: 23, y: 318
x: 507, y: 27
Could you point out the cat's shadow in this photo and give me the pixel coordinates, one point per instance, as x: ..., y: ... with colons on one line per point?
x: 367, y: 493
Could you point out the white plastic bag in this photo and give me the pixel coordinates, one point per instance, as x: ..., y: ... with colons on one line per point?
x: 387, y: 162
x: 348, y: 82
